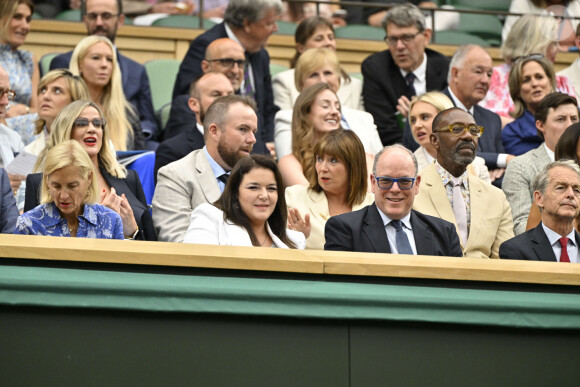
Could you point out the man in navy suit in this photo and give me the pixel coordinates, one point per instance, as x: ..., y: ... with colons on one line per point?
x: 390, y: 225
x: 204, y: 90
x: 557, y: 193
x: 250, y: 23
x: 104, y: 17
x: 387, y: 87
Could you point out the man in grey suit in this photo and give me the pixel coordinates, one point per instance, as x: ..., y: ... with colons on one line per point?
x: 557, y: 193
x: 555, y: 113
x: 229, y: 127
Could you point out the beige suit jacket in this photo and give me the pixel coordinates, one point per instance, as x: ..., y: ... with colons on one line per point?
x: 491, y: 216
x: 182, y: 186
x: 285, y: 92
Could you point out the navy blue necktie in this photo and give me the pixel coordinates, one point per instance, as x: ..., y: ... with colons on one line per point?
x: 224, y: 178
x: 410, y: 78
x: 403, y: 245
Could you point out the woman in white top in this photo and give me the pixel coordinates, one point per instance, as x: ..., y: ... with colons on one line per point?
x: 250, y: 212
x: 315, y: 32
x: 422, y: 111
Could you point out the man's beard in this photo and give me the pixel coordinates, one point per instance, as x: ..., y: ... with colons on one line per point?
x: 229, y: 157
x: 461, y: 159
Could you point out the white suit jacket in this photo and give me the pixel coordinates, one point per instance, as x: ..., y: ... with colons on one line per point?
x: 573, y: 72
x: 181, y: 187
x: 491, y: 216
x: 360, y: 122
x: 285, y: 92
x: 315, y: 203
x: 208, y: 227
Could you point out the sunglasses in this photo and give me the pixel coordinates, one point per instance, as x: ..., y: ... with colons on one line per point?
x: 98, y: 123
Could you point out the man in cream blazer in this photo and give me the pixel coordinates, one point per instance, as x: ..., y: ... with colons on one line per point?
x: 230, y: 125
x: 487, y: 212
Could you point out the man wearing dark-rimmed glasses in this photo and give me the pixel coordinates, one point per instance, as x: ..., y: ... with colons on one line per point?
x: 452, y: 191
x: 390, y: 225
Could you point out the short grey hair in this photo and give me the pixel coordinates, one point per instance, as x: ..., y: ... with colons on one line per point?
x: 391, y: 147
x: 542, y: 178
x: 405, y: 15
x: 250, y: 10
x: 459, y: 58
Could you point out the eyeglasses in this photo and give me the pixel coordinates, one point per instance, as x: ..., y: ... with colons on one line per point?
x: 9, y: 93
x: 105, y: 16
x: 229, y: 62
x: 535, y: 56
x: 458, y: 129
x: 385, y: 182
x: 81, y: 122
x: 406, y: 39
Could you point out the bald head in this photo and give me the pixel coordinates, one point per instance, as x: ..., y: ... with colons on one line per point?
x: 227, y: 57
x: 4, y: 87
x: 205, y: 90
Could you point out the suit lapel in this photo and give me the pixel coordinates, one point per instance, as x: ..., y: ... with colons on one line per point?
x: 318, y: 205
x: 423, y: 237
x: 541, y: 245
x: 206, y: 178
x: 437, y: 194
x: 123, y: 69
x: 374, y: 229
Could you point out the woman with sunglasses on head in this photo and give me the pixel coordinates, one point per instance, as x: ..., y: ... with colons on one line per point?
x: 15, y: 16
x: 531, y: 79
x: 119, y: 189
x: 315, y: 32
x: 94, y: 59
x: 68, y: 196
x: 250, y: 212
x: 531, y: 34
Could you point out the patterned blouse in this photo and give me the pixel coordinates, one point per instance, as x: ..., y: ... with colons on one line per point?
x: 498, y: 98
x: 97, y: 222
x: 19, y: 65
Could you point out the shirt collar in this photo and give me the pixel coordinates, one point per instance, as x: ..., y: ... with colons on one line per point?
x: 420, y: 72
x: 550, y: 153
x: 446, y: 176
x: 458, y: 103
x: 200, y: 128
x: 553, y: 236
x: 53, y: 217
x: 215, y: 167
x: 231, y: 35
x: 429, y: 158
x: 406, y: 220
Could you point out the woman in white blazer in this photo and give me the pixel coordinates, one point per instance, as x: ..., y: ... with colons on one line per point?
x: 315, y: 32
x: 338, y: 186
x: 250, y: 212
x: 422, y: 111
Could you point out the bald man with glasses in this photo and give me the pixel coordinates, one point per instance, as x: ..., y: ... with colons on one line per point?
x: 479, y: 211
x: 390, y: 225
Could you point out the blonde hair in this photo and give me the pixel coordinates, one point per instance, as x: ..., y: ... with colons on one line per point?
x: 531, y: 34
x: 115, y: 106
x: 313, y: 59
x: 302, y: 129
x: 65, y: 154
x: 61, y: 131
x: 7, y: 11
x: 77, y: 89
x: 435, y: 98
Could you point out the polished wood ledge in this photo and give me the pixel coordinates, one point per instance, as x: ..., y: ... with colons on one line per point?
x: 290, y: 261
x: 147, y: 43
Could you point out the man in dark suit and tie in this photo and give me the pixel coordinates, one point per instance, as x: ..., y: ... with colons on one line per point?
x: 104, y: 17
x: 204, y: 90
x: 390, y: 225
x: 557, y: 193
x: 407, y: 68
x: 250, y: 23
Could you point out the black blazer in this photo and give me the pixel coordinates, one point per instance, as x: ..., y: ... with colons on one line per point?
x: 533, y: 245
x: 260, y: 61
x: 130, y: 186
x: 384, y: 84
x: 363, y: 231
x: 135, y: 86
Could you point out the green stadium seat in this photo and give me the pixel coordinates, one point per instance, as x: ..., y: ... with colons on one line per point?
x: 162, y: 74
x: 70, y: 15
x: 487, y: 27
x: 182, y: 21
x: 276, y: 68
x: 44, y: 62
x: 286, y: 28
x: 358, y: 76
x: 359, y: 31
x: 487, y: 5
x: 163, y: 116
x: 457, y: 38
